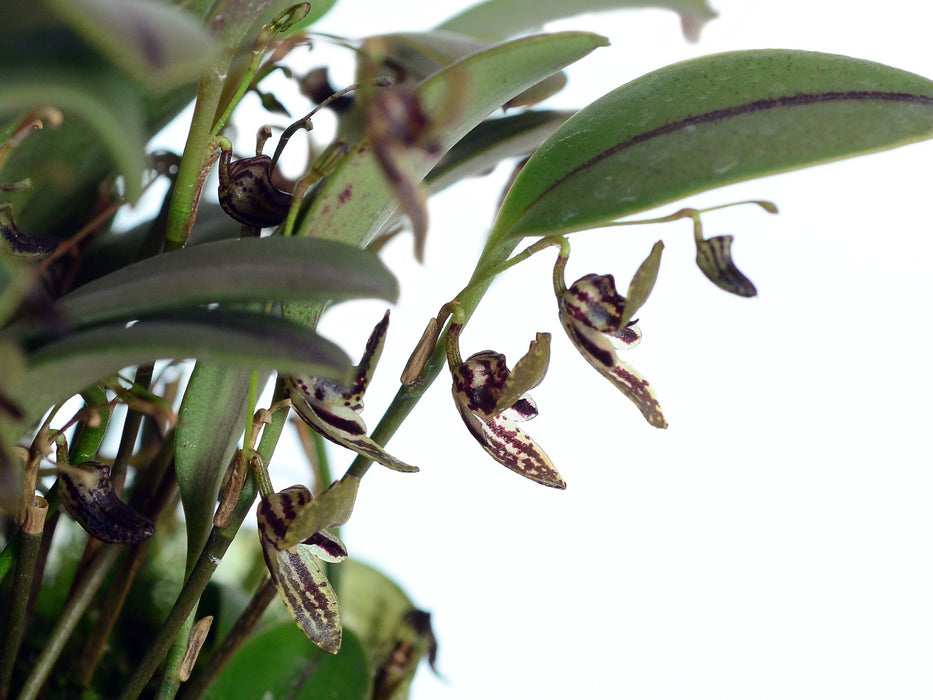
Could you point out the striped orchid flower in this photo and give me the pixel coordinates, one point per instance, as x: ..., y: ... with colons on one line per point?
x: 596, y: 320
x: 308, y: 595
x: 334, y: 410
x: 491, y: 400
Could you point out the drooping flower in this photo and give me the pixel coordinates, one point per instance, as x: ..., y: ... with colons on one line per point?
x: 714, y: 258
x: 491, y: 400
x: 308, y: 595
x: 88, y: 496
x: 334, y: 410
x: 591, y: 312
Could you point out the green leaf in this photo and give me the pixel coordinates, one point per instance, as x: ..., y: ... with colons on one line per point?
x: 210, y: 420
x: 242, y: 270
x: 281, y: 662
x: 711, y: 122
x: 373, y: 607
x: 357, y: 201
x: 495, y: 20
x: 105, y: 109
x: 155, y: 44
x: 493, y: 141
x: 238, y: 339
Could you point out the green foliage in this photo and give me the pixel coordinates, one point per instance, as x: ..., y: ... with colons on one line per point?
x: 88, y: 83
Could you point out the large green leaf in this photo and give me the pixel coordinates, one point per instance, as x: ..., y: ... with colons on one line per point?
x: 281, y: 662
x: 357, y: 201
x: 242, y: 270
x: 710, y: 122
x: 373, y: 606
x: 495, y: 20
x: 155, y: 44
x: 239, y: 339
x: 100, y: 109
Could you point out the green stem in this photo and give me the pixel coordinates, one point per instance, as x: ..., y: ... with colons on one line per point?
x: 68, y: 619
x: 238, y: 634
x: 160, y: 485
x: 19, y: 604
x: 176, y: 653
x: 188, y: 182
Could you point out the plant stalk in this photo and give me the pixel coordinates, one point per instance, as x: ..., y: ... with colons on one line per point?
x: 70, y: 616
x: 15, y: 622
x: 238, y: 634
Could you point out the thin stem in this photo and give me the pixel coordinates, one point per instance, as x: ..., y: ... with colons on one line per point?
x: 160, y: 482
x: 68, y: 619
x: 19, y: 604
x: 188, y: 182
x: 238, y: 634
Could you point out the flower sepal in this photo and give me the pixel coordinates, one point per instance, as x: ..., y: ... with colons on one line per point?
x: 334, y: 410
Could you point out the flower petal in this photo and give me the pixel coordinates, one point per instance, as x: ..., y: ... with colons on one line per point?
x: 336, y: 421
x: 305, y: 590
x: 327, y: 547
x: 479, y: 381
x: 510, y: 446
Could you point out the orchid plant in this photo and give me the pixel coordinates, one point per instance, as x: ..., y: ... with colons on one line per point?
x: 237, y: 275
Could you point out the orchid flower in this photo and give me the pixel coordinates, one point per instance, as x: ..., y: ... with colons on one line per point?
x: 333, y: 410
x: 491, y: 400
x: 592, y: 314
x: 308, y: 595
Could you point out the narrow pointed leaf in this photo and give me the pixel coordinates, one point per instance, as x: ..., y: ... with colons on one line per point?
x: 711, y: 122
x: 495, y: 20
x: 242, y: 270
x: 210, y: 420
x: 239, y: 339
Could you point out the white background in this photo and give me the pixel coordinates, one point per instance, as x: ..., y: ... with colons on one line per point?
x: 774, y: 542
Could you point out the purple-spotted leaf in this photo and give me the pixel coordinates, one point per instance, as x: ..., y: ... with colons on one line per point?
x: 527, y: 373
x: 477, y: 386
x: 333, y: 410
x: 301, y: 584
x: 709, y: 122
x: 639, y: 289
x: 591, y: 312
x: 714, y: 258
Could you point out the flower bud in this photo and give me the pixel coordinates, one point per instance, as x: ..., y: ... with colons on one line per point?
x: 87, y: 495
